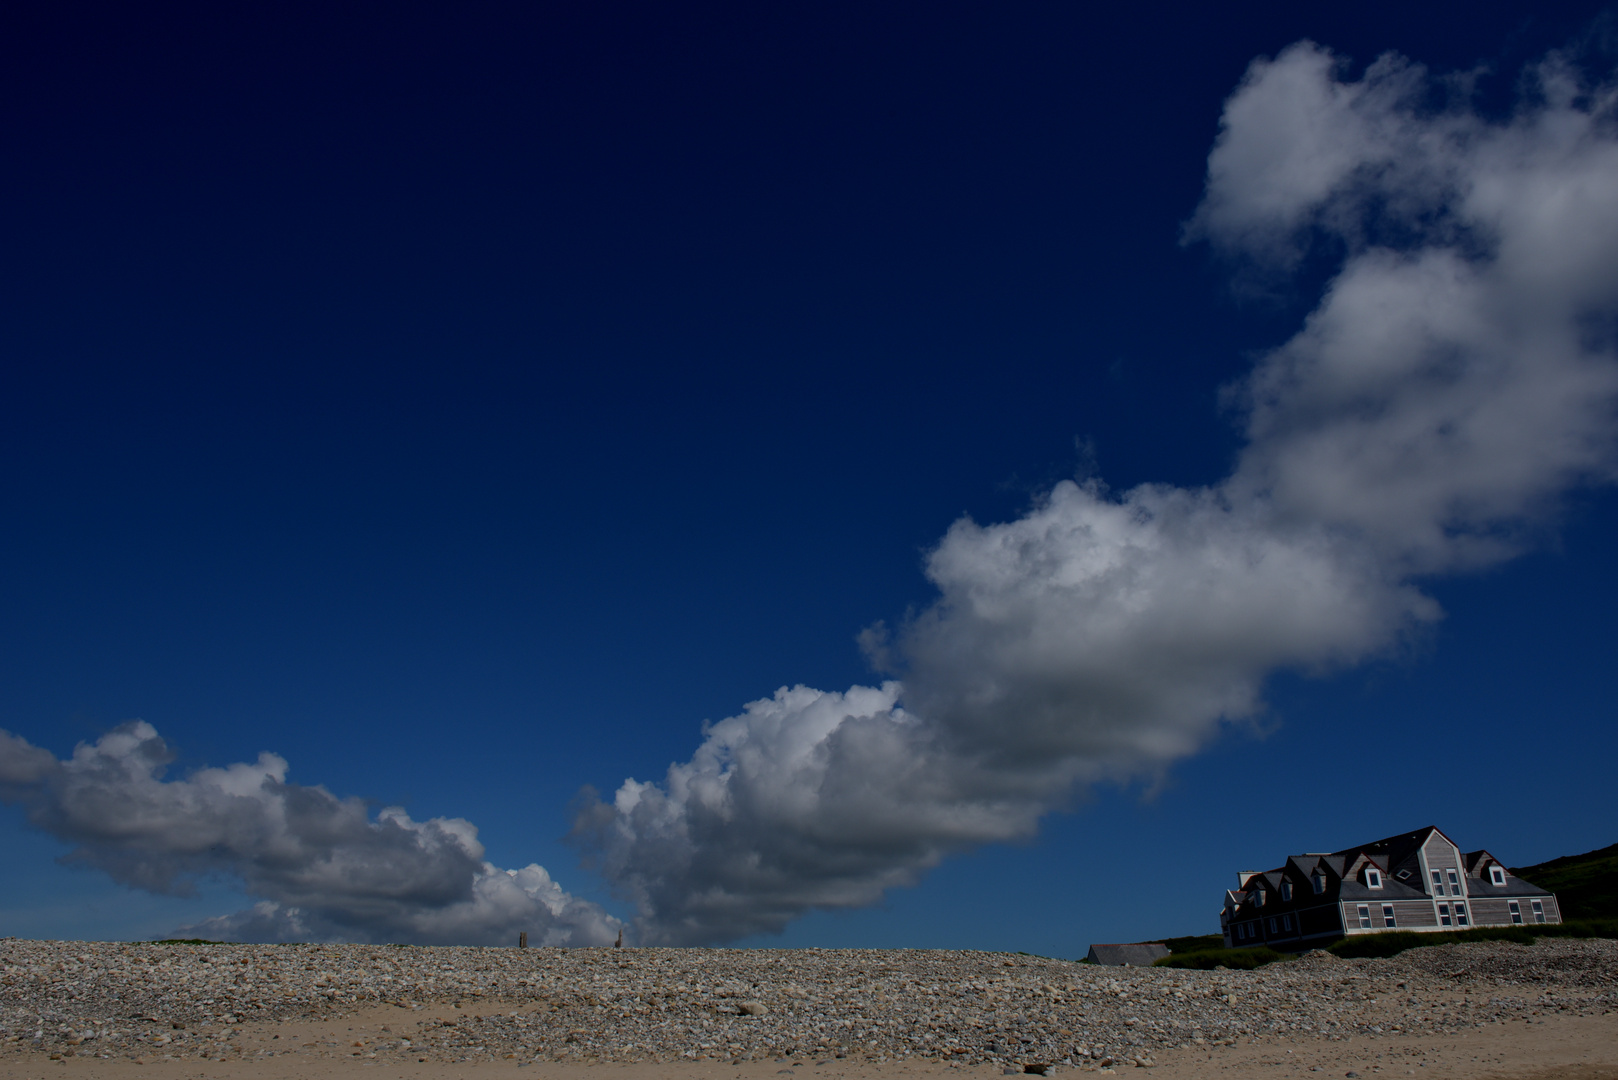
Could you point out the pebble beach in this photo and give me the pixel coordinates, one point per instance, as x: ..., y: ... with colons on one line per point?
x: 152, y: 1003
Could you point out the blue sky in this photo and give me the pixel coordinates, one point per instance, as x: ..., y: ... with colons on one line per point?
x: 466, y: 407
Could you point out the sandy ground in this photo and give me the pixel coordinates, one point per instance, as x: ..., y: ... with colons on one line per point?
x: 1551, y: 1048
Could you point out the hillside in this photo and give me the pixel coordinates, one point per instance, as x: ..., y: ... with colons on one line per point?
x: 1585, y: 885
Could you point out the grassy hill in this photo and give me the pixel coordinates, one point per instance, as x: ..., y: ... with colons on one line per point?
x: 1585, y: 885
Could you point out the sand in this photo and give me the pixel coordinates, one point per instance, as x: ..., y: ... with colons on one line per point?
x: 1548, y: 1048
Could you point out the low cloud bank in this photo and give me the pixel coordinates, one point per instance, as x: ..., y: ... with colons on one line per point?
x: 327, y: 869
x: 1456, y: 380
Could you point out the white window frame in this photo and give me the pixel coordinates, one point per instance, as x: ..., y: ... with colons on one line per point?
x: 1390, y: 919
x: 1539, y: 910
x: 1365, y: 916
x: 1273, y: 929
x: 1455, y: 884
x: 1286, y: 892
x: 1373, y: 878
x: 1497, y: 875
x: 1460, y: 915
x: 1438, y: 883
x: 1516, y: 912
x: 1443, y: 915
x: 1318, y: 881
x: 1286, y: 923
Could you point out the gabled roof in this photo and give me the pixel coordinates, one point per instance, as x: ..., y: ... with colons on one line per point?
x: 1394, y: 851
x: 1138, y: 954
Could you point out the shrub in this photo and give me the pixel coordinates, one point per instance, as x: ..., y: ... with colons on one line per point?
x: 1392, y: 944
x: 1194, y: 943
x: 1236, y: 959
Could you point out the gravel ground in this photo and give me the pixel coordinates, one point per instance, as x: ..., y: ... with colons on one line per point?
x: 154, y: 1002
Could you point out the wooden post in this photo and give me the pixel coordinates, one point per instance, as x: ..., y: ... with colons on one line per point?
x: 522, y: 940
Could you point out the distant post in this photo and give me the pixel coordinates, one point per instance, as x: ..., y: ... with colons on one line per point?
x: 522, y: 939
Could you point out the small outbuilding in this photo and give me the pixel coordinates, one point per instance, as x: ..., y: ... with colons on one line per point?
x: 1137, y: 954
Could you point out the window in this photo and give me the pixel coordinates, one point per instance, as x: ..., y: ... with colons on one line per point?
x: 1286, y: 892
x: 1365, y: 916
x: 1539, y: 910
x: 1403, y: 875
x: 1387, y: 915
x: 1516, y: 911
x: 1258, y: 897
x: 1272, y: 924
x: 1286, y: 923
x: 1443, y: 914
x: 1319, y: 882
x: 1373, y: 878
x: 1497, y: 875
x: 1460, y: 914
x: 1454, y: 884
x: 1438, y: 883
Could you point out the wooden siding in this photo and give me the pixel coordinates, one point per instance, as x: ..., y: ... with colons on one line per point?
x: 1552, y: 912
x: 1410, y: 914
x: 1441, y: 854
x: 1494, y: 912
x: 1320, y: 920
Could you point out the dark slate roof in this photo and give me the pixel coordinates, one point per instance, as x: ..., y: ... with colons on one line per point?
x: 1393, y: 851
x: 1391, y: 890
x: 1138, y: 954
x: 1484, y: 889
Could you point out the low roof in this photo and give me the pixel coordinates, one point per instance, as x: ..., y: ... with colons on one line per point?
x: 1137, y: 954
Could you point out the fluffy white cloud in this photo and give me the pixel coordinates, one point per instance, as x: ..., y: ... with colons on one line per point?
x: 326, y: 868
x: 1456, y: 379
x: 1459, y: 375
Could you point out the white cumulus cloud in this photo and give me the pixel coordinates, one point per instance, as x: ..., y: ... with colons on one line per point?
x: 1457, y: 378
x: 326, y: 868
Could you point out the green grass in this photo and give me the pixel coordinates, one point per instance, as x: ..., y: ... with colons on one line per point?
x: 1362, y: 946
x: 1392, y: 944
x: 1195, y: 943
x: 1586, y: 886
x: 1236, y: 959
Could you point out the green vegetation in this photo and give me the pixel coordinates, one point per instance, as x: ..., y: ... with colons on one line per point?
x: 1207, y: 959
x: 1362, y: 946
x: 1392, y: 944
x: 1196, y: 943
x: 1586, y: 886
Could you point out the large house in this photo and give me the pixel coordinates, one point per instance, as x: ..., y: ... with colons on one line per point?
x: 1413, y: 881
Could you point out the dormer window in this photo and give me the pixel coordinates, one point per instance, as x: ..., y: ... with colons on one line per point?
x: 1286, y: 892
x: 1373, y: 877
x: 1497, y: 875
x: 1318, y: 880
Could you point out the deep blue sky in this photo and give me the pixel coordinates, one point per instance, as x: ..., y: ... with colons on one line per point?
x: 466, y: 404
